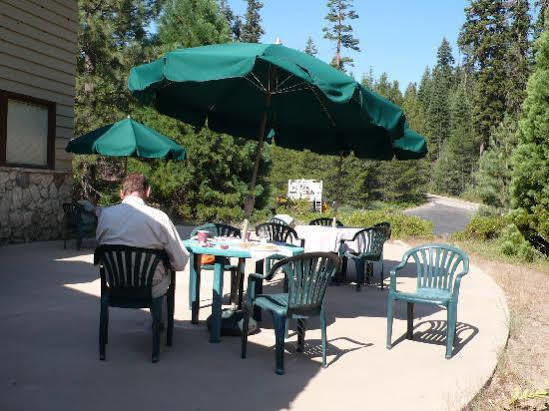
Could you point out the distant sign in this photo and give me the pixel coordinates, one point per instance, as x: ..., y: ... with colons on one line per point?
x: 310, y: 190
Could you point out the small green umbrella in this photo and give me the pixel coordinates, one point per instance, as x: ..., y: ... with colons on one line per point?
x: 240, y: 88
x: 127, y: 138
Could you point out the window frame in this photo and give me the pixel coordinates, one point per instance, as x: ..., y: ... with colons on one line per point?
x: 50, y: 145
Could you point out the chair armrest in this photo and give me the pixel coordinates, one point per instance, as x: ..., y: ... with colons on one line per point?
x: 252, y: 279
x: 393, y: 272
x: 457, y: 283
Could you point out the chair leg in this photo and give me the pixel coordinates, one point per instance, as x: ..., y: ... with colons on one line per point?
x: 240, y: 288
x: 410, y: 321
x: 301, y: 328
x: 390, y: 304
x: 170, y: 299
x: 323, y: 331
x: 280, y: 325
x: 156, y: 309
x: 103, y: 329
x: 234, y: 285
x: 359, y: 264
x: 244, y: 334
x: 381, y: 278
x: 451, y: 332
x: 369, y: 272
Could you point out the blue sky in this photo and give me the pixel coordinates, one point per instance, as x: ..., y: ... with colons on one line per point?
x: 399, y: 37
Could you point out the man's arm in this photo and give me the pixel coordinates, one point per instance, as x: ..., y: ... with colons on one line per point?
x: 177, y: 253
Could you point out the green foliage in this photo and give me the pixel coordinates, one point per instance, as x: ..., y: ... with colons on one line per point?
x: 529, y: 184
x: 213, y: 182
x: 310, y: 47
x: 483, y: 41
x: 512, y: 243
x: 493, y: 177
x: 438, y: 111
x: 483, y: 228
x: 402, y: 226
x: 452, y: 171
x: 338, y: 30
x: 190, y: 23
x: 252, y: 30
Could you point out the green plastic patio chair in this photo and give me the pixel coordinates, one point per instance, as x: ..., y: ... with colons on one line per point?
x: 308, y: 275
x: 325, y: 221
x: 237, y: 278
x: 437, y: 283
x: 126, y: 282
x: 370, y: 243
x: 77, y: 223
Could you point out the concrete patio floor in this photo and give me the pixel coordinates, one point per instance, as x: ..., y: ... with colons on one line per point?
x: 49, y: 314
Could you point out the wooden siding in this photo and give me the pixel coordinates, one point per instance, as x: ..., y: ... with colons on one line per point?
x: 38, y: 46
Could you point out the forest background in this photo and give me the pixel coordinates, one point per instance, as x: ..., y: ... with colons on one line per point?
x: 487, y: 131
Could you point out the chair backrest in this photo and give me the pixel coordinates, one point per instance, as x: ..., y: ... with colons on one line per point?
x: 72, y: 213
x: 308, y: 276
x: 437, y: 265
x: 275, y: 220
x: 325, y: 221
x: 385, y: 226
x: 370, y: 240
x: 128, y: 271
x: 218, y: 229
x: 276, y: 232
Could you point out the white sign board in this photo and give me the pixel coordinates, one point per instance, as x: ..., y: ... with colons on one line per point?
x: 305, y: 190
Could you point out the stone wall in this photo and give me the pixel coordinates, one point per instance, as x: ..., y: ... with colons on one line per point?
x: 31, y: 203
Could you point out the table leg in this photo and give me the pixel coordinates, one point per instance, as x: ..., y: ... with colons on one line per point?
x: 194, y: 287
x: 259, y: 269
x: 215, y: 333
x: 240, y: 285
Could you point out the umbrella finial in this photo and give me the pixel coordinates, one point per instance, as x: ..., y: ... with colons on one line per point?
x: 277, y: 40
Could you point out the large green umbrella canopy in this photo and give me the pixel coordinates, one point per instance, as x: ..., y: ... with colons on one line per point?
x: 249, y: 89
x: 127, y: 138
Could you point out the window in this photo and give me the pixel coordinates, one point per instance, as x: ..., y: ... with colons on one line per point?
x: 27, y: 131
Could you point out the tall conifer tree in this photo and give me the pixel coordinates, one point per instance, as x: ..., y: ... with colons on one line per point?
x: 518, y: 55
x: 252, y: 30
x: 340, y: 12
x: 310, y: 47
x: 483, y: 41
x: 529, y: 184
x: 438, y: 112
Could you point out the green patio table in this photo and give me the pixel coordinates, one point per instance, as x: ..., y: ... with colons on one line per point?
x: 221, y: 254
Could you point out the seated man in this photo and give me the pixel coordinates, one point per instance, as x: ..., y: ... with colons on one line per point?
x: 135, y: 224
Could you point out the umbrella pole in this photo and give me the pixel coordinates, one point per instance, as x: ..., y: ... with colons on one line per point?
x: 250, y: 198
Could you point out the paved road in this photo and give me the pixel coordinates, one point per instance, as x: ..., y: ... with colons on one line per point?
x: 448, y: 215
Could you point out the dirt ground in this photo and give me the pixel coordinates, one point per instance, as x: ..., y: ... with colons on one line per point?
x: 523, y: 369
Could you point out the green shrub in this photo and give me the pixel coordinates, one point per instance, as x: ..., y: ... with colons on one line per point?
x: 512, y: 243
x: 483, y: 228
x: 402, y: 226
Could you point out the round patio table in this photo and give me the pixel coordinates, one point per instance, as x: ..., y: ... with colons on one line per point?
x: 236, y: 250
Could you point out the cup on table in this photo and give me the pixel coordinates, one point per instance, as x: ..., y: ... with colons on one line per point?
x: 202, y: 236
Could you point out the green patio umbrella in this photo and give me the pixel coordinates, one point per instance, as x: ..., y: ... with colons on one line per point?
x: 127, y: 138
x: 251, y: 90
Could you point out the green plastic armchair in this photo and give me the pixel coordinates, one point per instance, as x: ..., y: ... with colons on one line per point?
x: 237, y: 276
x: 438, y: 282
x: 325, y: 221
x: 369, y: 242
x: 126, y: 282
x: 308, y: 276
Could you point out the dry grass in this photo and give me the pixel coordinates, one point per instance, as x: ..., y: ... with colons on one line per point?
x: 523, y: 368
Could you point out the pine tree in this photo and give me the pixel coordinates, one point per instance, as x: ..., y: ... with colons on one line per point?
x: 252, y: 30
x: 234, y: 21
x: 310, y: 47
x: 438, y: 111
x: 541, y: 8
x: 518, y: 55
x: 340, y: 12
x: 493, y: 177
x: 529, y: 184
x: 483, y: 41
x: 190, y: 23
x: 424, y: 89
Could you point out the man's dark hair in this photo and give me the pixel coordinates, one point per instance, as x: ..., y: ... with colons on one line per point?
x: 135, y: 182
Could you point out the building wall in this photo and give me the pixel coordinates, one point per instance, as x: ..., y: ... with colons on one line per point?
x: 38, y: 48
